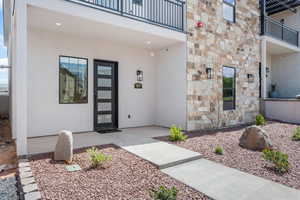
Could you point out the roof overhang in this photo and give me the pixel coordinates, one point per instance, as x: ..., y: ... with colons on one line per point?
x: 276, y: 6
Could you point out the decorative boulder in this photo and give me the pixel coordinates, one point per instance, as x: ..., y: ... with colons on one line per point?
x: 255, y: 138
x: 64, y: 147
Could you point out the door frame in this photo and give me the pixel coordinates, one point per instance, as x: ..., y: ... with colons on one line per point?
x: 115, y: 96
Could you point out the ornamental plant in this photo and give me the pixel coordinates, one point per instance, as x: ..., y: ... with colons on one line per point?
x: 279, y: 159
x: 296, y: 136
x: 97, y: 158
x: 219, y: 150
x: 176, y: 134
x: 260, y: 120
x: 164, y: 193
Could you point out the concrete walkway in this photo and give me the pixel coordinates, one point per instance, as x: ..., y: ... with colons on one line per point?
x: 223, y: 183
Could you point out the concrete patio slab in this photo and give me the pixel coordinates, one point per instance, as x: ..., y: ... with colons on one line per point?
x: 223, y: 183
x: 138, y: 141
x: 47, y: 144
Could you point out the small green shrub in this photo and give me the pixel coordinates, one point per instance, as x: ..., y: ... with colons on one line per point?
x: 296, y: 136
x: 260, y: 120
x: 219, y: 150
x: 164, y: 193
x: 97, y: 158
x: 176, y: 134
x: 279, y: 159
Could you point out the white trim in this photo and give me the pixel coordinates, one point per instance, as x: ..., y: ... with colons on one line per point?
x: 281, y: 43
x: 20, y: 90
x: 264, y: 68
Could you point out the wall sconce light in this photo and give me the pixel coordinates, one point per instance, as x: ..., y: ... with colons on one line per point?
x: 139, y: 75
x: 250, y: 78
x: 267, y: 72
x: 209, y: 73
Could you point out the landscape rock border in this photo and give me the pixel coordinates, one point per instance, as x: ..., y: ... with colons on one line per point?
x: 27, y: 184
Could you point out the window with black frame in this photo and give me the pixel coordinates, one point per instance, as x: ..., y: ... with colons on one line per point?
x: 73, y: 80
x: 228, y: 88
x: 137, y: 2
x: 229, y: 10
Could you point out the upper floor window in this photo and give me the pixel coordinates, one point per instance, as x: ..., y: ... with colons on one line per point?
x: 73, y: 80
x: 228, y: 88
x: 229, y: 10
x: 137, y: 2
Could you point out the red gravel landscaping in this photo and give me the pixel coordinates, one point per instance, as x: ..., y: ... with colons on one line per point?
x: 124, y: 177
x: 247, y: 160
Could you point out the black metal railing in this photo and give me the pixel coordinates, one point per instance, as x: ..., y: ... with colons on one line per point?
x: 280, y: 31
x: 166, y: 13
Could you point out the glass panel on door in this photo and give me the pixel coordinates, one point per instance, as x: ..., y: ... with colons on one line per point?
x: 104, y: 82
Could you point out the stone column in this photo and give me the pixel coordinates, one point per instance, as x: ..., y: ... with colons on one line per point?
x: 19, y: 78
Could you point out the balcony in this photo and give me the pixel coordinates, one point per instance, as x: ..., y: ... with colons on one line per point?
x: 165, y: 13
x: 280, y: 31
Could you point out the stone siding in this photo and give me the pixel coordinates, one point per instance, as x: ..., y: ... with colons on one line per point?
x: 221, y: 43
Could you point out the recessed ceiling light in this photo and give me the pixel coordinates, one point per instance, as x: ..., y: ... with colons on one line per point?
x: 58, y: 24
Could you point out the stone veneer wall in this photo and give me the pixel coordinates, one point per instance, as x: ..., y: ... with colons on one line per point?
x: 220, y: 43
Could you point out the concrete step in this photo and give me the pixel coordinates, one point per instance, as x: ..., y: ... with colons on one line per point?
x: 160, y: 154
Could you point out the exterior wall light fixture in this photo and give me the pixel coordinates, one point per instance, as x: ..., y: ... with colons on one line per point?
x: 250, y: 78
x: 139, y: 74
x: 209, y: 73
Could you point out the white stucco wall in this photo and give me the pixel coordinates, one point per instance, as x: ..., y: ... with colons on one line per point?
x: 171, y: 86
x: 286, y: 73
x: 286, y: 68
x: 286, y: 111
x: 47, y: 116
x: 269, y: 78
x: 290, y: 19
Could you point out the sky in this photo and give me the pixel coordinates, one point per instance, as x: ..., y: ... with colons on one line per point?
x: 3, y: 54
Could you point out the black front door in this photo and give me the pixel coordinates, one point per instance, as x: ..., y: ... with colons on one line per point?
x: 105, y: 95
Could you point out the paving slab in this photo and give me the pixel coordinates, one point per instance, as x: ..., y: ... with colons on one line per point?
x: 33, y: 196
x: 223, y: 183
x: 30, y: 188
x: 27, y: 181
x: 26, y: 175
x: 161, y: 154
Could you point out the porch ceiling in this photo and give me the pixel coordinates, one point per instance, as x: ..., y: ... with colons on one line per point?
x: 276, y: 6
x: 77, y: 26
